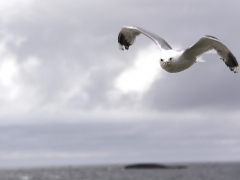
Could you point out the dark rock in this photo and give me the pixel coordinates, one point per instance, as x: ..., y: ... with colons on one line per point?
x: 153, y: 166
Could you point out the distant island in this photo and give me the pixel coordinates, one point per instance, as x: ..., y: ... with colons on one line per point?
x: 153, y: 166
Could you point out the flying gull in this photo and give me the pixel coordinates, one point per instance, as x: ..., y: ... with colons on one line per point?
x: 175, y: 61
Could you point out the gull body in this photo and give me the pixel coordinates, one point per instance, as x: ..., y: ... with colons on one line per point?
x: 174, y: 61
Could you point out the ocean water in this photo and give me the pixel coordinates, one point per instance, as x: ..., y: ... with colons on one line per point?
x: 218, y: 171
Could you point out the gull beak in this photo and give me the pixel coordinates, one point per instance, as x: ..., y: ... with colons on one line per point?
x: 166, y: 63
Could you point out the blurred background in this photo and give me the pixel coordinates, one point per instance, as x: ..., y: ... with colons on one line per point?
x: 69, y: 96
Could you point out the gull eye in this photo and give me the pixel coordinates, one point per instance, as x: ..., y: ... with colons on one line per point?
x: 170, y: 59
x: 162, y: 60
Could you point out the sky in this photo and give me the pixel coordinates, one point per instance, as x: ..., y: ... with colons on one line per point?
x: 69, y: 96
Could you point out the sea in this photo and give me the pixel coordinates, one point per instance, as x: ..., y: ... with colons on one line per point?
x: 201, y: 171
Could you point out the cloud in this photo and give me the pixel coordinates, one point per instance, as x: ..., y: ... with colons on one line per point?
x: 202, y: 86
x: 122, y: 142
x: 13, y: 9
x: 46, y: 155
x: 60, y: 64
x: 71, y: 67
x: 142, y: 74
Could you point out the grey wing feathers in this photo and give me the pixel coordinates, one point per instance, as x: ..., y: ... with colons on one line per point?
x: 128, y: 34
x: 208, y: 43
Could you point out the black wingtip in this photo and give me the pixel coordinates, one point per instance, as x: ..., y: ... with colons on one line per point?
x: 123, y: 41
x: 231, y: 62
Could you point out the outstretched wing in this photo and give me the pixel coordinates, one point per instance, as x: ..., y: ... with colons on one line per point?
x: 208, y: 43
x: 128, y: 34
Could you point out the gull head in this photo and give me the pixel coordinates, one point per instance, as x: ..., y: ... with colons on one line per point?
x: 169, y: 59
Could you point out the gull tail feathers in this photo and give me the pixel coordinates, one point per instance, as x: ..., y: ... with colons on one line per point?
x: 199, y: 59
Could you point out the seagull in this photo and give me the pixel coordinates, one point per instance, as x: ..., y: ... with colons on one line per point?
x: 174, y: 61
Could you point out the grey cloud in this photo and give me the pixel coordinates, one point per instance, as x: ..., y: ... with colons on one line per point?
x: 123, y: 142
x: 210, y: 85
x: 70, y: 47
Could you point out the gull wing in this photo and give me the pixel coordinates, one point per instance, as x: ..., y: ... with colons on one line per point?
x: 128, y: 34
x: 208, y: 43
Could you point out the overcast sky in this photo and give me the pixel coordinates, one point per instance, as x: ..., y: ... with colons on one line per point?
x: 69, y: 96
